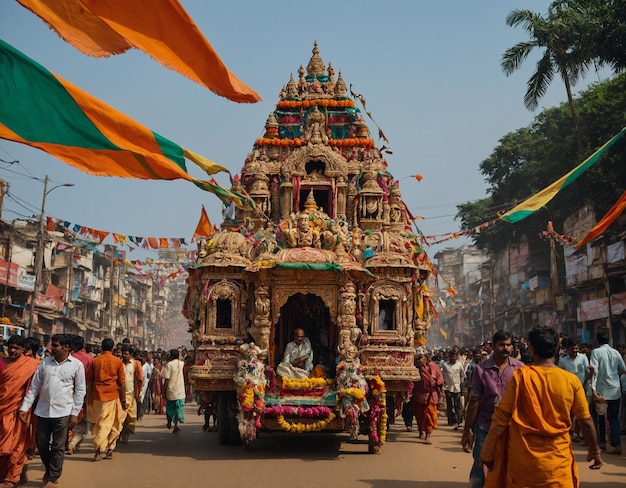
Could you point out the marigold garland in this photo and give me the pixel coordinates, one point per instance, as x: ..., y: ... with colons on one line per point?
x: 378, y: 410
x: 252, y: 397
x: 305, y: 383
x: 298, y: 104
x: 368, y: 143
x: 298, y: 427
x: 356, y: 393
x: 265, y: 141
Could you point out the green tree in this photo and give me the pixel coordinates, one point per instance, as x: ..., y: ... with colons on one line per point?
x: 559, y: 36
x: 604, y: 36
x: 528, y: 159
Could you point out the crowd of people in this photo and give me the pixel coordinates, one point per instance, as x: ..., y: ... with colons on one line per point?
x: 52, y: 395
x: 525, y: 399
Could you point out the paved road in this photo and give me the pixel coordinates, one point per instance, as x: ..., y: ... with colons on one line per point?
x: 156, y: 458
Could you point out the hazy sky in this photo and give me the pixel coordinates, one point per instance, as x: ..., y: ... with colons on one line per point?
x: 429, y: 72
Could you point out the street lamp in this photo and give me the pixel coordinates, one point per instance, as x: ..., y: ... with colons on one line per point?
x: 40, y: 246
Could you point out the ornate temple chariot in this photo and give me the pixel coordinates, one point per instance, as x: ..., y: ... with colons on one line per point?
x: 328, y: 247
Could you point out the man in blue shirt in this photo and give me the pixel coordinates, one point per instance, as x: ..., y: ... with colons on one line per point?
x: 577, y: 364
x: 607, y: 365
x: 59, y: 382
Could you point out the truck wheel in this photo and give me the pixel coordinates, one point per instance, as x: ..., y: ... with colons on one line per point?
x: 391, y: 410
x: 223, y: 420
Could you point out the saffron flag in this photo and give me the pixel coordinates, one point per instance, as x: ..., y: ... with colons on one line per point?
x: 160, y: 28
x: 605, y: 222
x: 42, y: 110
x: 534, y: 203
x: 204, y: 227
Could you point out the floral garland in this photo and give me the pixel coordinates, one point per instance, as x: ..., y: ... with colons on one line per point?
x: 299, y: 427
x: 252, y: 397
x: 368, y: 143
x: 310, y: 412
x: 266, y: 141
x: 378, y: 410
x: 356, y: 393
x: 298, y: 104
x: 305, y: 383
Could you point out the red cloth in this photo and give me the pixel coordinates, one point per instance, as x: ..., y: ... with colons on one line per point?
x: 15, y: 435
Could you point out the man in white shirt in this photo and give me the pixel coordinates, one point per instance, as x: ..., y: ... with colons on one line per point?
x: 133, y: 375
x: 453, y: 374
x: 59, y: 382
x: 607, y: 365
x: 174, y: 388
x: 297, y: 361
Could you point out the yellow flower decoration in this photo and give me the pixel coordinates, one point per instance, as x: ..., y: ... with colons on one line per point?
x: 299, y: 428
x: 305, y: 383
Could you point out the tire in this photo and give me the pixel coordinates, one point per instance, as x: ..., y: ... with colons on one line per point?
x: 391, y: 410
x: 223, y: 420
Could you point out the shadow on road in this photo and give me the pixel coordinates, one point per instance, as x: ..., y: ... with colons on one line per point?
x: 413, y: 484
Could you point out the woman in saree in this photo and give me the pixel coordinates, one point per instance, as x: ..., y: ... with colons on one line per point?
x: 158, y: 401
x: 426, y: 393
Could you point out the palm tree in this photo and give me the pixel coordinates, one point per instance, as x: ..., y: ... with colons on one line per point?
x: 558, y: 34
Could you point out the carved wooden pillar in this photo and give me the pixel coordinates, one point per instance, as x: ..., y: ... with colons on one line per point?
x: 341, y: 200
x: 287, y: 203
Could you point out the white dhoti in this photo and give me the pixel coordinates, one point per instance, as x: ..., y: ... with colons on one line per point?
x: 289, y: 371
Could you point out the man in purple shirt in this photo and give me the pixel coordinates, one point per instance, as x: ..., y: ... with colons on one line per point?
x: 489, y: 381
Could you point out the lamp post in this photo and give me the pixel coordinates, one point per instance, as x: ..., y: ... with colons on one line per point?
x: 40, y: 246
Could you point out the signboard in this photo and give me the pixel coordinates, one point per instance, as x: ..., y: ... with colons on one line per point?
x: 16, y: 277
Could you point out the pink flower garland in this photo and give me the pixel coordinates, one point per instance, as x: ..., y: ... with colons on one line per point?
x: 319, y: 411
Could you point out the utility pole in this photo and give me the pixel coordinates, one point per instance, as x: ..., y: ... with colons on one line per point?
x: 40, y: 250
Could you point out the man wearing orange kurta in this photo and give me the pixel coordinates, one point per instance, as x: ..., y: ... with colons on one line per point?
x: 15, y: 435
x: 106, y: 400
x: 531, y: 424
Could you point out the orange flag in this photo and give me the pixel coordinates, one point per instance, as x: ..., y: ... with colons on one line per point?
x: 204, y: 227
x: 160, y: 28
x: 616, y: 210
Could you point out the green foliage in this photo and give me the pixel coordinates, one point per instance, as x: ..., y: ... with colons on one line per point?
x: 529, y: 159
x: 603, y: 33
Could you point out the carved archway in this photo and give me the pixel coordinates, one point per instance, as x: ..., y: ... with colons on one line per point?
x: 295, y: 164
x: 387, y: 292
x: 224, y: 296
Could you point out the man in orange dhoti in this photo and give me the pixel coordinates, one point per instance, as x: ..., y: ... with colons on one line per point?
x: 106, y: 400
x: 15, y: 435
x: 531, y: 424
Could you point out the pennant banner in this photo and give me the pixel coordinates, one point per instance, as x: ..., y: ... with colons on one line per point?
x: 605, y: 222
x: 534, y: 203
x: 162, y: 29
x: 204, y: 227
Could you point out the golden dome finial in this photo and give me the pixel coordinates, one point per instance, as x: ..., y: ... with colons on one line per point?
x: 316, y: 65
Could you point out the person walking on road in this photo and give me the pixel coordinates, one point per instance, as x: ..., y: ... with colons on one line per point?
x: 106, y: 400
x: 79, y: 432
x: 15, y: 436
x: 133, y: 379
x: 536, y: 410
x: 453, y: 373
x: 489, y: 381
x: 174, y: 388
x: 426, y: 394
x: 59, y: 382
x: 607, y: 365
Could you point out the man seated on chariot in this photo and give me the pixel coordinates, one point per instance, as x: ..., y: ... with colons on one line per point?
x: 297, y: 361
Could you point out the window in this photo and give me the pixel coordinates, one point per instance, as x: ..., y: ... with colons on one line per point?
x: 386, y: 315
x: 224, y: 314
